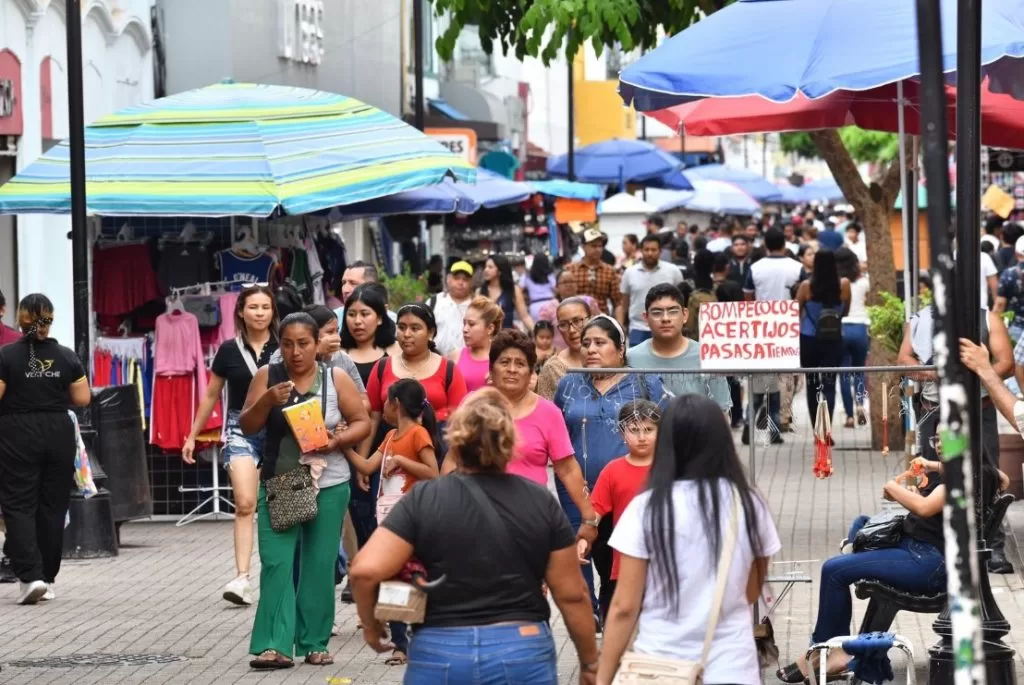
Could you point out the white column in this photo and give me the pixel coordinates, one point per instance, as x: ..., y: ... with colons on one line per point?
x: 44, y: 250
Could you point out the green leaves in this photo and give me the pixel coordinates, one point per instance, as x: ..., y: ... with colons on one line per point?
x: 864, y: 146
x: 541, y: 28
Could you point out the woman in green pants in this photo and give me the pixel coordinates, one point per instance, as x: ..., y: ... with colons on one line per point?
x: 297, y: 622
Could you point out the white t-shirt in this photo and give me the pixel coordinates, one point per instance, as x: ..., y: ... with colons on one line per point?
x: 449, y: 314
x: 733, y: 657
x: 988, y: 268
x: 772, y: 278
x: 858, y: 298
x: 719, y: 244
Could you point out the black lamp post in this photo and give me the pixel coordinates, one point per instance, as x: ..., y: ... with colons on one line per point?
x: 76, y: 143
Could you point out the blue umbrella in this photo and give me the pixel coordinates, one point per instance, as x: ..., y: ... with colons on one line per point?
x: 494, y: 190
x: 791, y: 195
x: 616, y: 162
x: 749, y: 182
x: 673, y: 180
x: 825, y: 190
x: 443, y: 198
x: 737, y: 50
x: 570, y: 190
x: 719, y: 197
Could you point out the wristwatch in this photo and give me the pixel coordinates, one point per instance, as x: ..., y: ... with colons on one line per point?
x: 594, y: 522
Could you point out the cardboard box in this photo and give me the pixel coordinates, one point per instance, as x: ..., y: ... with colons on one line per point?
x: 398, y: 601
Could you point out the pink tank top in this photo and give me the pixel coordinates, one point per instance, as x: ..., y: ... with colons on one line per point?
x: 474, y: 372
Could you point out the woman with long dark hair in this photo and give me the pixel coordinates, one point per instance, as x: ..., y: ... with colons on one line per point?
x: 40, y: 380
x: 538, y: 284
x: 673, y: 539
x: 235, y: 365
x: 295, y: 619
x: 499, y: 285
x: 367, y: 332
x: 855, y: 337
x: 824, y: 300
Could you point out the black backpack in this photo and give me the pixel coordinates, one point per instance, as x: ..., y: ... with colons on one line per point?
x: 830, y: 325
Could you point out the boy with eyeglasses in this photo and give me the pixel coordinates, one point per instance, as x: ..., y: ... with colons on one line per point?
x: 665, y: 311
x: 620, y: 481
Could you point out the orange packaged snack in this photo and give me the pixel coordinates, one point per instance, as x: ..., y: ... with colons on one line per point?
x: 306, y: 420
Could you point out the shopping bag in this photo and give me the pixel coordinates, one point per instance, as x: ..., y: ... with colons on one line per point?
x: 822, y: 440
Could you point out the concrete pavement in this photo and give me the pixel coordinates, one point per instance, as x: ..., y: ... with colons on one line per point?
x: 154, y: 614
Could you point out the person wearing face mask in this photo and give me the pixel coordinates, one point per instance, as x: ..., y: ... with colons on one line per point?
x: 234, y: 366
x: 591, y: 405
x: 40, y: 380
x: 450, y: 307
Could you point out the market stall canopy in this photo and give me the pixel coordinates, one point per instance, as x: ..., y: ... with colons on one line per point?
x: 570, y: 190
x: 825, y: 190
x: 624, y: 203
x: 791, y: 195
x: 719, y: 197
x: 237, y: 149
x: 616, y: 162
x: 876, y: 109
x: 736, y: 51
x: 751, y: 183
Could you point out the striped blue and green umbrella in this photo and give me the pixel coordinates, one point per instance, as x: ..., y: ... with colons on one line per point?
x: 237, y: 149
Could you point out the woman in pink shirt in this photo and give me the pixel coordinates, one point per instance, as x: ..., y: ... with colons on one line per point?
x: 479, y: 326
x: 540, y: 428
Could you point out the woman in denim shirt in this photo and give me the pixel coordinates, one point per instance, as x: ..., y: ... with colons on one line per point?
x: 591, y: 404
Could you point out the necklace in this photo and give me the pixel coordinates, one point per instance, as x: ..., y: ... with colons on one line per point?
x: 413, y: 372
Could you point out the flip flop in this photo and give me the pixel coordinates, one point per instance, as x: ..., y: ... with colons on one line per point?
x: 397, y: 658
x: 319, y: 659
x: 271, y: 660
x: 791, y: 674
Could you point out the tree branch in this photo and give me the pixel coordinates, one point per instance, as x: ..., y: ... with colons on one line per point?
x: 841, y: 164
x: 890, y: 180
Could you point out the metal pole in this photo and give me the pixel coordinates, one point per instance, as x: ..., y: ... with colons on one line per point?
x: 572, y: 112
x: 947, y: 665
x: 751, y: 424
x: 76, y: 143
x: 908, y: 198
x: 915, y: 224
x: 417, y: 29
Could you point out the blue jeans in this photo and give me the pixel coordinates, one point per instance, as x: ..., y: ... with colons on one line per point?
x: 855, y: 354
x: 504, y: 654
x: 399, y: 635
x: 913, y: 566
x: 636, y: 337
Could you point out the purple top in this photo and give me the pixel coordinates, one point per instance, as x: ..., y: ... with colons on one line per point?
x: 536, y: 294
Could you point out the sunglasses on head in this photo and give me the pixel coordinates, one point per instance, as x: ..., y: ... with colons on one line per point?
x: 246, y: 286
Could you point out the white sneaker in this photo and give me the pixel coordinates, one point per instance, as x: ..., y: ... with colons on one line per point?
x: 32, y: 592
x: 49, y: 595
x: 335, y: 630
x: 239, y: 591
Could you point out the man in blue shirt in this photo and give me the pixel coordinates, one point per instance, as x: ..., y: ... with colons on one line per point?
x: 1010, y: 296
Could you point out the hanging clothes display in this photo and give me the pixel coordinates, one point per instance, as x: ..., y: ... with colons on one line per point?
x: 181, y: 377
x: 184, y: 262
x: 123, y: 278
x: 248, y: 269
x: 124, y: 361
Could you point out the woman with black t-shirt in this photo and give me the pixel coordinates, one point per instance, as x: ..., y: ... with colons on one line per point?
x: 495, y: 537
x: 235, y: 365
x: 39, y: 381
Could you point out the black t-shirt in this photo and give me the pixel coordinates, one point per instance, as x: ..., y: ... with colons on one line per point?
x: 39, y: 385
x: 230, y: 365
x: 440, y: 519
x: 926, y: 529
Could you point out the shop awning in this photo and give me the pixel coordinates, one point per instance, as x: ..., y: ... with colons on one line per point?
x: 446, y: 110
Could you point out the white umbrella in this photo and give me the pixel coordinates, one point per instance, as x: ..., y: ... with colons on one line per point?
x: 720, y: 197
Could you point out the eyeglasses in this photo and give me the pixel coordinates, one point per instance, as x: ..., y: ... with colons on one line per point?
x: 44, y: 320
x: 670, y: 313
x: 572, y: 324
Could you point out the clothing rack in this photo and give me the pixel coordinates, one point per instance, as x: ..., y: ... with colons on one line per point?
x: 203, y: 288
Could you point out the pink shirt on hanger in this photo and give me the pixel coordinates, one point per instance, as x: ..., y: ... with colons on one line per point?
x: 227, y: 304
x: 178, y: 349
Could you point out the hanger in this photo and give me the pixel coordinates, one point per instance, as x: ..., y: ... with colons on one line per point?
x: 175, y: 305
x: 188, y: 232
x: 126, y: 233
x: 246, y: 243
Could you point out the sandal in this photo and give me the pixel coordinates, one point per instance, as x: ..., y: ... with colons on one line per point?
x: 271, y: 659
x: 397, y: 658
x: 791, y: 674
x: 319, y: 659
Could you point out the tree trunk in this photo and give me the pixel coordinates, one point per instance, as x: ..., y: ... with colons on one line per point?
x: 873, y: 205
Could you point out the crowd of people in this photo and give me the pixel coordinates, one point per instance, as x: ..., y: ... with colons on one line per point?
x: 443, y: 418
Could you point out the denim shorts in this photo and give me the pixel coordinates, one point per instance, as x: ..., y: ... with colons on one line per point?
x: 237, y: 445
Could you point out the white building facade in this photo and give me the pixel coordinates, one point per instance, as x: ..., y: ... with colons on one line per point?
x: 35, y: 250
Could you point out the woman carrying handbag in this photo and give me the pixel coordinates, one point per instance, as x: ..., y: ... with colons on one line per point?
x: 699, y: 532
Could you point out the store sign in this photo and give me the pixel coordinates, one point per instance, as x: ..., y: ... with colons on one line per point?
x: 459, y: 141
x: 10, y: 94
x: 301, y: 31
x: 750, y: 335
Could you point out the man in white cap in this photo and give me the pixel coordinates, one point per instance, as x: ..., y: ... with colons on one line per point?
x: 1010, y: 295
x: 593, y: 276
x: 450, y: 307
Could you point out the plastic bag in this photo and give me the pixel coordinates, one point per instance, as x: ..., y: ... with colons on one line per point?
x: 83, y: 471
x: 881, y: 531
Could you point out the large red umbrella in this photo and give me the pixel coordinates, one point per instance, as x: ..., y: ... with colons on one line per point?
x: 1002, y: 117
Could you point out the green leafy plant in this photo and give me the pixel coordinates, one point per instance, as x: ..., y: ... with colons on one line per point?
x: 402, y: 288
x: 887, y: 321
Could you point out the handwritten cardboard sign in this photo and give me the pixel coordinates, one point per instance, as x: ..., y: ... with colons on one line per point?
x: 750, y: 335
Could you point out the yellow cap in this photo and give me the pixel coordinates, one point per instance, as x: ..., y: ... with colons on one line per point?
x: 463, y: 266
